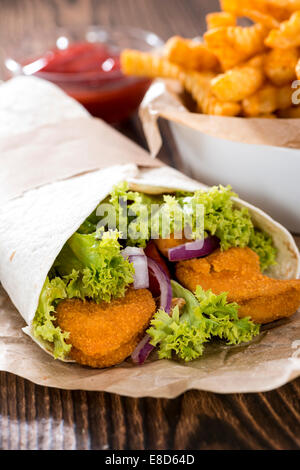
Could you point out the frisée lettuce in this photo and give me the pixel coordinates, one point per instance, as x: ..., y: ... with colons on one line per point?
x: 43, y: 324
x: 205, y: 316
x: 92, y: 266
x: 233, y: 226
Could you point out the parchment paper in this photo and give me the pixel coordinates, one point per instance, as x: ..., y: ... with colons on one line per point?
x: 164, y: 99
x: 271, y: 360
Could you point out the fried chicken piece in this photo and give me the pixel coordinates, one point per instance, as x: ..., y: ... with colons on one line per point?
x: 105, y: 334
x: 237, y: 272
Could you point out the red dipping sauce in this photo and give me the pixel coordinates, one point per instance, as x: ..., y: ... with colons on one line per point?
x: 90, y: 73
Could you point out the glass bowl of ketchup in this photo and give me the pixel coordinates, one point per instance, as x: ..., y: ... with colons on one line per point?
x: 85, y: 63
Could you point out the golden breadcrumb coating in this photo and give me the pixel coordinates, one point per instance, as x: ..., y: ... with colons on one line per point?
x: 105, y: 334
x: 237, y: 272
x: 109, y: 359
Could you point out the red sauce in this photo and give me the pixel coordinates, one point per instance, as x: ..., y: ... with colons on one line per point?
x: 91, y: 73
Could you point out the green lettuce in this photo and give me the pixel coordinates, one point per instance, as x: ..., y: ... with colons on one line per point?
x: 43, y: 324
x: 262, y: 244
x: 133, y: 210
x: 94, y: 267
x: 205, y: 316
x: 233, y: 226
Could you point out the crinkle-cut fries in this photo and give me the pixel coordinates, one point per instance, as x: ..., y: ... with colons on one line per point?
x: 246, y: 71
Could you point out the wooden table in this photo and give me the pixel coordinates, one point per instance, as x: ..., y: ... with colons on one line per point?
x: 34, y: 417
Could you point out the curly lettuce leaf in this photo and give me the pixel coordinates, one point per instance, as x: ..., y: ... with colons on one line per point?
x: 133, y: 211
x: 43, y: 324
x: 205, y: 316
x: 93, y: 267
x: 262, y: 244
x: 233, y: 226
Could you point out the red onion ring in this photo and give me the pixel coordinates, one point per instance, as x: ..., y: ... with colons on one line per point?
x: 193, y: 249
x: 164, y: 284
x: 144, y: 347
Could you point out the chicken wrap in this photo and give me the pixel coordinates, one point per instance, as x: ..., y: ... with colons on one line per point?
x: 195, y: 263
x: 117, y: 262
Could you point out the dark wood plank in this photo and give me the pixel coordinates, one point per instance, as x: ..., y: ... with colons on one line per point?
x: 195, y: 420
x: 34, y: 417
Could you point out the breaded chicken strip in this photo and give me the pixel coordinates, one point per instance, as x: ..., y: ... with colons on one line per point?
x: 105, y: 334
x: 237, y: 272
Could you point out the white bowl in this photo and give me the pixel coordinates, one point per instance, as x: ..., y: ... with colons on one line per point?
x: 266, y: 176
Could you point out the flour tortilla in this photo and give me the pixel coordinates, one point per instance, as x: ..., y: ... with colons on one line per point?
x: 34, y: 226
x: 29, y: 103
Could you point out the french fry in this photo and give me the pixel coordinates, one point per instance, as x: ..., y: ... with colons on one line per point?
x: 198, y: 85
x: 298, y: 69
x: 267, y: 100
x: 278, y: 9
x: 290, y: 113
x: 144, y: 64
x: 288, y: 34
x: 190, y: 54
x: 262, y: 18
x: 238, y: 83
x: 233, y: 45
x: 280, y: 67
x: 281, y: 9
x: 284, y: 97
x: 258, y: 63
x: 253, y: 10
x: 264, y: 101
x: 220, y: 18
x: 258, y: 17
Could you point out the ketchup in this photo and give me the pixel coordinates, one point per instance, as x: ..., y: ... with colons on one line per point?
x: 91, y: 73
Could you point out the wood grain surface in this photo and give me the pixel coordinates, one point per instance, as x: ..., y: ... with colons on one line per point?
x: 35, y: 417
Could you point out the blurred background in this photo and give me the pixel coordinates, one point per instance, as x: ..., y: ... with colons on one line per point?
x: 27, y: 29
x: 20, y: 19
x: 164, y: 17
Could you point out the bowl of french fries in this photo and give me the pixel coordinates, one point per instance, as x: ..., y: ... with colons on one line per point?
x: 235, y: 114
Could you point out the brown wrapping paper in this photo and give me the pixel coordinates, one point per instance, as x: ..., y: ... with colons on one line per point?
x: 163, y: 99
x: 271, y: 360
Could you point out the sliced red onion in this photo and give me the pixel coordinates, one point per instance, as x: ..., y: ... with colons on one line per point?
x: 137, y: 257
x: 164, y: 284
x: 193, y: 249
x: 144, y: 347
x: 142, y: 350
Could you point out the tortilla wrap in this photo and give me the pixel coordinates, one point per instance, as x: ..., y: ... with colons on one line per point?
x: 36, y: 223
